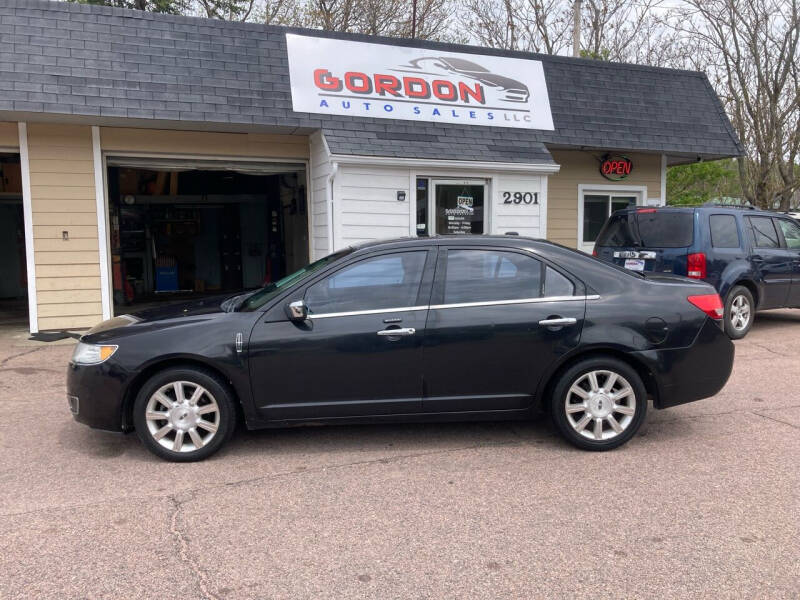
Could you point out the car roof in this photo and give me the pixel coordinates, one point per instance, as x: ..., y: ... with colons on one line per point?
x: 716, y: 208
x: 467, y: 240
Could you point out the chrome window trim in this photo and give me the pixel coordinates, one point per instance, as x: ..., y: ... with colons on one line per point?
x: 379, y: 311
x: 519, y: 301
x: 375, y: 311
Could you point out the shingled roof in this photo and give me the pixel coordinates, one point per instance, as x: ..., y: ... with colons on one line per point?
x: 105, y: 65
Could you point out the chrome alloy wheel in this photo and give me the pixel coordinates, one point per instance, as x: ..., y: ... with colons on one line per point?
x: 740, y: 313
x: 600, y: 405
x: 182, y: 416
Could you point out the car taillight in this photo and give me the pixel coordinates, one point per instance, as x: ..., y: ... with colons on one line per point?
x: 696, y: 265
x: 711, y: 304
x: 594, y: 252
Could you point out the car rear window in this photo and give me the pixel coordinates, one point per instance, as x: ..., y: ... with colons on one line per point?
x: 649, y: 228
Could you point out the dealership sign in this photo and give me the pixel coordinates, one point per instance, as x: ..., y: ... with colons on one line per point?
x: 340, y: 77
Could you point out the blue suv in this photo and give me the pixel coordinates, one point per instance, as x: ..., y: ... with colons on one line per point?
x: 752, y: 257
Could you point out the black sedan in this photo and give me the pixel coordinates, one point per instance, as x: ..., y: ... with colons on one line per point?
x: 421, y: 329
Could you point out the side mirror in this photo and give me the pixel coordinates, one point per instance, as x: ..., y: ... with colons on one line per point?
x: 298, y: 311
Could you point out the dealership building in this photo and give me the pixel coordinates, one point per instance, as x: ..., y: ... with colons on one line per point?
x: 147, y: 157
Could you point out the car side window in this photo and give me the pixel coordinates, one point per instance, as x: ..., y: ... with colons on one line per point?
x: 791, y: 233
x: 489, y: 275
x: 555, y: 284
x: 385, y: 281
x: 724, y: 233
x: 763, y: 232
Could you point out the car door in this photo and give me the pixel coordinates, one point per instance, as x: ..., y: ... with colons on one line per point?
x: 772, y: 263
x: 499, y: 317
x: 790, y: 231
x: 359, y: 352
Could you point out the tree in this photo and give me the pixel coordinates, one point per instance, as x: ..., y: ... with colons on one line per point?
x: 749, y: 48
x: 381, y: 17
x: 229, y: 10
x: 701, y: 182
x: 174, y: 7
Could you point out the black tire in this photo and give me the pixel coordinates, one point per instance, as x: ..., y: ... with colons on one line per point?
x: 223, y: 417
x: 739, y: 294
x: 579, y: 374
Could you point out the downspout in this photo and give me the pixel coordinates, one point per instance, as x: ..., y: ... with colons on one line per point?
x: 331, y: 228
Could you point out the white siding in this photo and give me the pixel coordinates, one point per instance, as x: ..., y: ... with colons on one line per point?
x: 525, y: 219
x: 366, y: 205
x: 320, y: 163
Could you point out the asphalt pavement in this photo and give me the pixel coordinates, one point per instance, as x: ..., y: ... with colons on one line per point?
x: 703, y: 502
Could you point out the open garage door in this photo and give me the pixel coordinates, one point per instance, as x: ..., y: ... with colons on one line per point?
x: 13, y: 270
x: 188, y: 228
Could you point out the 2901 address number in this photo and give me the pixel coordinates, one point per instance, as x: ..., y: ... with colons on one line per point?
x: 520, y: 197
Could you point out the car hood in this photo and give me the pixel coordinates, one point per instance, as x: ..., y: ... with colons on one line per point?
x: 204, y: 306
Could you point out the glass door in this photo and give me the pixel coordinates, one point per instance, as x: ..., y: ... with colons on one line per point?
x: 459, y: 207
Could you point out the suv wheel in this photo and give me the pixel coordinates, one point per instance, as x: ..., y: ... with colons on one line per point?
x: 184, y: 414
x: 739, y: 312
x: 599, y: 403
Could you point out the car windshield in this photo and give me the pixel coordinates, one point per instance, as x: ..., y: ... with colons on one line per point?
x: 648, y: 228
x: 269, y: 291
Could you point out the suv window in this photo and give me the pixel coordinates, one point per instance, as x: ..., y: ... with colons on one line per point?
x: 385, y: 281
x: 724, y: 233
x: 488, y: 275
x: 763, y: 232
x: 791, y: 233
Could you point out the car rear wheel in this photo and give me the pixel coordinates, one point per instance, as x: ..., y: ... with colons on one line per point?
x: 184, y: 414
x: 739, y: 312
x: 599, y: 403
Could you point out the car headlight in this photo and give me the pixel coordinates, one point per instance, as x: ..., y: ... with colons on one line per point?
x: 92, y: 354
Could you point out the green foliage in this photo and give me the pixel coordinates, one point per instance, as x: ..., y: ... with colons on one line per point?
x: 603, y: 54
x: 173, y: 7
x: 700, y: 182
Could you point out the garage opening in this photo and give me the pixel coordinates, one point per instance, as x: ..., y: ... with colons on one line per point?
x: 13, y: 268
x: 185, y: 228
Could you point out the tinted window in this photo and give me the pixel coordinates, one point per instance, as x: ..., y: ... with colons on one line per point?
x: 386, y: 281
x: 656, y: 229
x: 763, y: 231
x: 619, y: 231
x: 665, y: 228
x: 724, y: 233
x: 791, y: 233
x: 555, y: 284
x: 487, y: 275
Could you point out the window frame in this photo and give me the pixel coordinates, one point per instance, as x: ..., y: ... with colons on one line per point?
x: 423, y: 292
x: 437, y: 295
x: 584, y: 189
x: 778, y: 234
x: 736, y: 226
x: 781, y: 235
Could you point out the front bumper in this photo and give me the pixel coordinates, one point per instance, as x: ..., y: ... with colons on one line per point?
x: 698, y: 371
x: 95, y: 394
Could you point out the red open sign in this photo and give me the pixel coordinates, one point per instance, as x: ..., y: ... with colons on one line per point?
x: 615, y: 167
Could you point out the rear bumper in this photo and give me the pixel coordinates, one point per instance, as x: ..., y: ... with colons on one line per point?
x: 698, y: 371
x: 94, y: 395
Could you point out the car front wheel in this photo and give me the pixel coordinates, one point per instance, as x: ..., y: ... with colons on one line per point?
x: 184, y: 414
x: 739, y: 312
x: 599, y: 403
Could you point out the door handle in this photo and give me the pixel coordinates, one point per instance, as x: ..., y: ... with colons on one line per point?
x: 558, y: 322
x: 397, y: 332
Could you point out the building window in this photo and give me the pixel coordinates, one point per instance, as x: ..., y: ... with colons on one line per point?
x: 422, y: 207
x: 597, y: 208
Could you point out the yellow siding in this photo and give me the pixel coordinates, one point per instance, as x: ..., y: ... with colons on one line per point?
x: 582, y: 168
x: 63, y: 199
x: 155, y: 141
x: 9, y: 135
